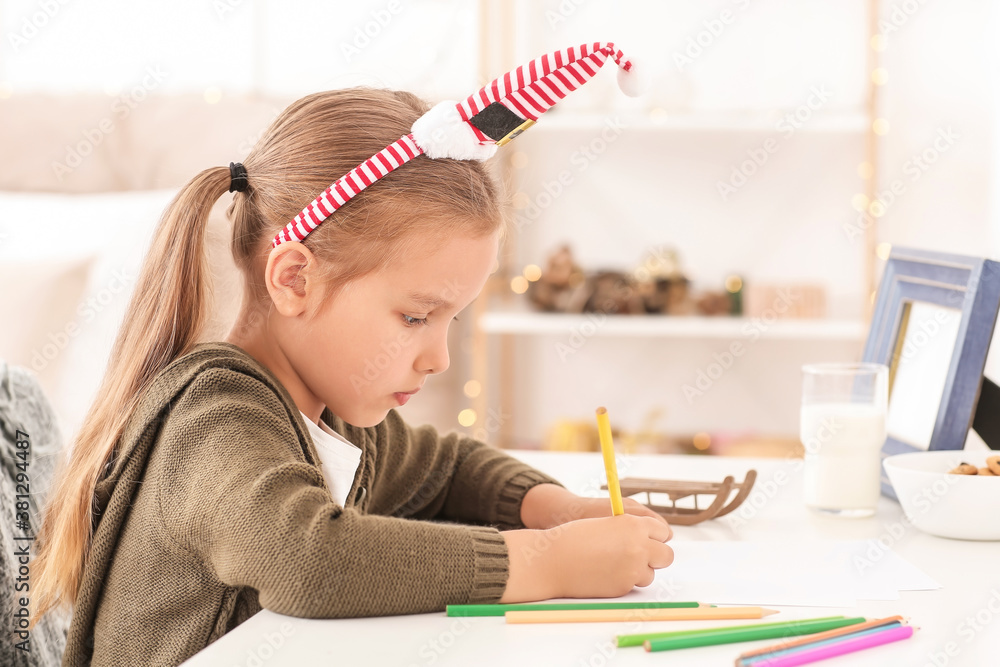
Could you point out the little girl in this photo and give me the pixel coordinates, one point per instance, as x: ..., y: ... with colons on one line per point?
x: 270, y: 470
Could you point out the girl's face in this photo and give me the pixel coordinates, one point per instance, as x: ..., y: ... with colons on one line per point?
x: 372, y: 346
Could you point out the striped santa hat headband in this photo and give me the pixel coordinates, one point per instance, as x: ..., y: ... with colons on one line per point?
x: 473, y: 128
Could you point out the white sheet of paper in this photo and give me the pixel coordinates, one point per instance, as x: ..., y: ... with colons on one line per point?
x: 873, y: 561
x: 786, y: 573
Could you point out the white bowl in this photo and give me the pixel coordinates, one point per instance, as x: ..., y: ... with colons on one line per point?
x: 957, y: 506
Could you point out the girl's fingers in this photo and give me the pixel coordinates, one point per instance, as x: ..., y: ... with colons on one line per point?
x: 660, y: 555
x: 637, y: 508
x: 658, y: 530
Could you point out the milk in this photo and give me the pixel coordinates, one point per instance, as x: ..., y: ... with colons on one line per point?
x: 842, y: 462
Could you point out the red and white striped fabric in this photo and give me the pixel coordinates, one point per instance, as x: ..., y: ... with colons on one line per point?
x: 389, y: 158
x: 533, y: 88
x: 527, y: 92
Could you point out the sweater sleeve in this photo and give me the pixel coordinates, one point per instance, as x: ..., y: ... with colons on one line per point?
x: 236, y: 492
x: 424, y: 475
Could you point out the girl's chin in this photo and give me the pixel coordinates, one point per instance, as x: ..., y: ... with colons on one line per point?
x: 371, y: 414
x: 368, y: 418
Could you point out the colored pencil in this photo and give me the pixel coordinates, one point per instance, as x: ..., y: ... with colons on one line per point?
x: 768, y: 658
x: 815, y: 638
x: 745, y: 635
x: 844, y: 646
x: 619, y: 615
x: 501, y: 609
x: 608, y: 450
x: 623, y: 641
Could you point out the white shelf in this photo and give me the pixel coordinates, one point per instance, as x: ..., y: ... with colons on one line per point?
x: 708, y: 121
x: 671, y: 326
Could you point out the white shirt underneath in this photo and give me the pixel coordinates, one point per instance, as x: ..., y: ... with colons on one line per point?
x: 339, y: 458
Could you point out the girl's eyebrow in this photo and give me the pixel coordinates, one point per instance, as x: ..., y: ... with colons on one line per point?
x: 427, y: 301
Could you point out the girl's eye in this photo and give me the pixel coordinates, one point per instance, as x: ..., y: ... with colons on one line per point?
x: 414, y: 321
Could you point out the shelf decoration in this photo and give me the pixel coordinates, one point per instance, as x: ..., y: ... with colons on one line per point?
x: 658, y: 286
x: 662, y: 284
x: 798, y: 301
x: 562, y: 286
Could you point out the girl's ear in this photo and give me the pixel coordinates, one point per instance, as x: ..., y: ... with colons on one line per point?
x: 291, y: 278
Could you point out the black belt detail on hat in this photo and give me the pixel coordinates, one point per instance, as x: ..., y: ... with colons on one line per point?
x: 496, y: 121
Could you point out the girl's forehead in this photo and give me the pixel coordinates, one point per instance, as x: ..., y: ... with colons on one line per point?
x: 449, y: 273
x: 451, y: 255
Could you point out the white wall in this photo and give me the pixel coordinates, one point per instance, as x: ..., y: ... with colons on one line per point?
x: 653, y: 187
x: 649, y: 187
x: 265, y: 46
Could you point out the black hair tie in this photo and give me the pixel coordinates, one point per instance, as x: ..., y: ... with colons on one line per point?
x: 238, y: 177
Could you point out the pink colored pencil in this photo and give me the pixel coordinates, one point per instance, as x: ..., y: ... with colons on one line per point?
x: 840, y: 648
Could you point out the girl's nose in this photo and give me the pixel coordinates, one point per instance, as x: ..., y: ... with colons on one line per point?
x: 434, y: 358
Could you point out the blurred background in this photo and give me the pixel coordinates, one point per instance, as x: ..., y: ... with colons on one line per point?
x: 675, y: 257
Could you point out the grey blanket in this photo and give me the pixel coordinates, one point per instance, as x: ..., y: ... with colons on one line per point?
x: 24, y: 408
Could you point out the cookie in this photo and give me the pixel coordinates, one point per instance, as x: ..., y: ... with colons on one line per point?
x: 993, y: 463
x: 987, y: 472
x: 964, y: 469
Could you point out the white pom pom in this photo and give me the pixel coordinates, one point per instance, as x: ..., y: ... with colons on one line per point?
x: 634, y: 81
x: 441, y: 132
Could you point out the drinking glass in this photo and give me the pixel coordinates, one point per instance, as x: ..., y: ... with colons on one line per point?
x: 842, y: 428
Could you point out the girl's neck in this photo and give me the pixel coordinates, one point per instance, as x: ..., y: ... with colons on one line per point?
x: 268, y: 353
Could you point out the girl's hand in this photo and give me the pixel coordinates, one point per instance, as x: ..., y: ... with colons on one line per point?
x: 603, y: 557
x: 549, y: 505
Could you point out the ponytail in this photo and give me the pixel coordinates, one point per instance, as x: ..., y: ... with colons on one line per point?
x: 165, y: 318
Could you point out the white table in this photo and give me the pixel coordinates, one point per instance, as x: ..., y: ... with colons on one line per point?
x: 959, y: 623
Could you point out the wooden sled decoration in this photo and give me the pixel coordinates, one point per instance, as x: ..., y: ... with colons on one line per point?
x: 688, y: 516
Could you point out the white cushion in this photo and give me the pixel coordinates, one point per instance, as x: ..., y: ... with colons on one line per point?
x: 81, y: 255
x: 36, y: 337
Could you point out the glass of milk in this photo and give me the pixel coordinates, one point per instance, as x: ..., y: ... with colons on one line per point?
x: 842, y: 428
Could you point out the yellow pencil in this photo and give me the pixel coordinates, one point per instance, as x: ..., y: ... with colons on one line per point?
x: 628, y: 615
x: 608, y: 449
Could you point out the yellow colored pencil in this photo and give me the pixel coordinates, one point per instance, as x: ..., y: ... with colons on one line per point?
x: 608, y: 449
x: 628, y: 615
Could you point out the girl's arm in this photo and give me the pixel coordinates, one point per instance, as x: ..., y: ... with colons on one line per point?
x: 424, y: 475
x: 581, y: 550
x: 237, y: 498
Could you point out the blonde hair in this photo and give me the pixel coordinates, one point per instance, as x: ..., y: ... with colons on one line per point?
x: 312, y: 143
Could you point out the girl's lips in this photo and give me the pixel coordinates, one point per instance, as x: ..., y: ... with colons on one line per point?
x: 403, y: 396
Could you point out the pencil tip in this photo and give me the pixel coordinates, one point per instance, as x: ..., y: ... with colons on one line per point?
x: 601, y: 410
x: 768, y: 612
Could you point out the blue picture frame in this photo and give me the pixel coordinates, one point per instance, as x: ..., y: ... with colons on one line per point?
x: 968, y: 284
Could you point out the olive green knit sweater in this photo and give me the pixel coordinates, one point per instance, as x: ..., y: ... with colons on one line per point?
x: 215, y: 506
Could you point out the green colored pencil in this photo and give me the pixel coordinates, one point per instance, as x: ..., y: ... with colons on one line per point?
x: 501, y: 609
x: 622, y: 641
x: 732, y: 636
